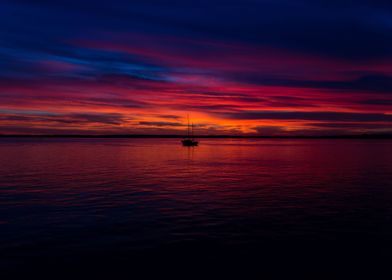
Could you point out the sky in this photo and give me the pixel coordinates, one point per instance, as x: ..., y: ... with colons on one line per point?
x: 245, y: 67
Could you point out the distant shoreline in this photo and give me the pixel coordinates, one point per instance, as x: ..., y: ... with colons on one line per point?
x: 366, y: 136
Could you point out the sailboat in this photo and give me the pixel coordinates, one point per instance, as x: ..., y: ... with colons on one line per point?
x: 190, y: 140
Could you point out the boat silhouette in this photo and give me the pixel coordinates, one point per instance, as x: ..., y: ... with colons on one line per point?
x: 190, y: 140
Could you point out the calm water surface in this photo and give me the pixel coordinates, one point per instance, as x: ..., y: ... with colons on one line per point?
x: 88, y: 196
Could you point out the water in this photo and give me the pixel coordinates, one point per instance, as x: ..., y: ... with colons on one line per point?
x: 62, y: 198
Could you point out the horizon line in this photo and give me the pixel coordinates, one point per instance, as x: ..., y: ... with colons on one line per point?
x: 359, y: 136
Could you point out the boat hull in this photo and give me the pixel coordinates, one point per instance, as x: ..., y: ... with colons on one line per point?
x: 189, y: 143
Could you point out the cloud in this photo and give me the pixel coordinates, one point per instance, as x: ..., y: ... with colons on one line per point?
x: 169, y: 116
x: 381, y: 102
x: 367, y: 83
x: 71, y: 119
x: 146, y: 123
x: 271, y: 130
x: 231, y: 64
x: 302, y: 115
x: 352, y: 125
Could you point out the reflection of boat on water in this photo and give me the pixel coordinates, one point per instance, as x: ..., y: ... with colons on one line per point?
x: 189, y: 141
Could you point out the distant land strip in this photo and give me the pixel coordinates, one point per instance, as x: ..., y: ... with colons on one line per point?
x: 360, y: 136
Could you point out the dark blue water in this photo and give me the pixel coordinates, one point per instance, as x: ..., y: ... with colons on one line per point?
x: 75, y: 199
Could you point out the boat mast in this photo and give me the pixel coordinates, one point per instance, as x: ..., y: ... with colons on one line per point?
x: 192, y: 132
x: 188, y: 125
